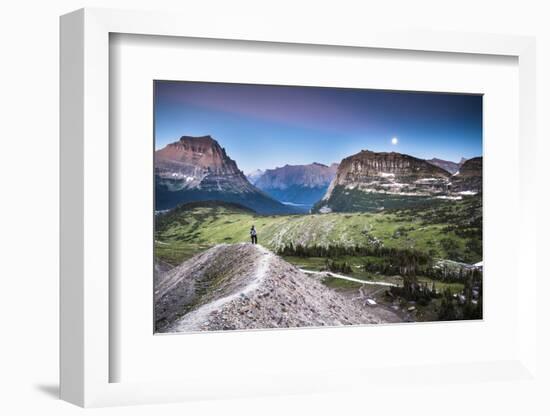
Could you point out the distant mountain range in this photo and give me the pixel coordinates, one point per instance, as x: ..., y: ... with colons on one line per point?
x: 297, y: 184
x: 199, y: 169
x: 254, y: 176
x: 451, y: 167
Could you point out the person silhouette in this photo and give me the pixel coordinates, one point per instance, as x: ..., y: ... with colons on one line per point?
x: 253, y: 235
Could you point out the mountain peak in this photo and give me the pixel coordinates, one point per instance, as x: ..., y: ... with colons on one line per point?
x: 198, y: 142
x: 254, y: 175
x: 374, y: 163
x: 387, y: 172
x: 199, y: 151
x: 205, y: 139
x: 197, y: 168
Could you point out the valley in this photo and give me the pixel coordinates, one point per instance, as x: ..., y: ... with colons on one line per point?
x: 364, y: 247
x: 378, y: 237
x: 445, y: 230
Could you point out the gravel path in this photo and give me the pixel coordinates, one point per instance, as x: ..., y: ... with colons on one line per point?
x: 351, y: 279
x: 245, y: 286
x: 197, y: 317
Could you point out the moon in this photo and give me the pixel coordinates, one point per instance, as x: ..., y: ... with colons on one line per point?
x: 394, y: 140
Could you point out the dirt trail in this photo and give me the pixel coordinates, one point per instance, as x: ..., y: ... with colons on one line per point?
x: 200, y: 315
x: 244, y: 286
x: 351, y: 279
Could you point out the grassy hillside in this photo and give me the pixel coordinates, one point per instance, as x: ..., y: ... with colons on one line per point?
x: 354, y: 200
x: 447, y: 229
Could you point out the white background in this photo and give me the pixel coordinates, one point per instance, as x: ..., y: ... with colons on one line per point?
x: 29, y: 163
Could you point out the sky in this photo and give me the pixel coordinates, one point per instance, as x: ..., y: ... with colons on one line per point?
x: 267, y: 126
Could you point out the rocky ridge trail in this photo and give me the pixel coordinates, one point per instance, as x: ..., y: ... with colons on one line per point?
x: 245, y: 286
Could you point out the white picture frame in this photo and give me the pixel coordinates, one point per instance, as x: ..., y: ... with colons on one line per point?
x: 85, y: 307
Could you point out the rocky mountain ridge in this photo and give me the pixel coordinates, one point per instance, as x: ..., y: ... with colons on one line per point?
x: 245, y: 286
x: 392, y: 177
x: 198, y: 168
x: 389, y: 173
x: 187, y: 162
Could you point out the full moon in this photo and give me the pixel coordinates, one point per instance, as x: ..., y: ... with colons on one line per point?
x: 394, y: 140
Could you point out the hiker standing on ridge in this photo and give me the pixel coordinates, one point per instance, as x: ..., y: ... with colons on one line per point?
x: 253, y: 235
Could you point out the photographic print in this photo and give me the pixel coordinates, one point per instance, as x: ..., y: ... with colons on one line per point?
x: 292, y: 206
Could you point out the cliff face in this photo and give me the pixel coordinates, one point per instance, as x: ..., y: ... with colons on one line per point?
x: 370, y: 181
x: 390, y: 173
x: 367, y: 164
x: 187, y: 162
x: 201, y: 151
